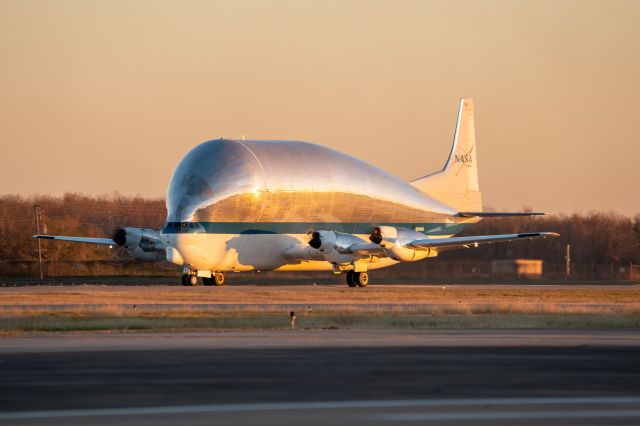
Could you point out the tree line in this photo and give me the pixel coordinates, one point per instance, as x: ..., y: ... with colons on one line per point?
x: 596, y: 237
x: 75, y: 215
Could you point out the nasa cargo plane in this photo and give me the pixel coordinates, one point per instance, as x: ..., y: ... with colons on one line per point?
x: 249, y: 205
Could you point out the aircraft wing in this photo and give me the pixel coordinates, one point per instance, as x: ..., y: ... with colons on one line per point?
x: 102, y: 241
x: 499, y: 214
x: 474, y: 241
x: 366, y: 249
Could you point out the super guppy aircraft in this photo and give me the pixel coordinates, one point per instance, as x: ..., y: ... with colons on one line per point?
x: 247, y: 205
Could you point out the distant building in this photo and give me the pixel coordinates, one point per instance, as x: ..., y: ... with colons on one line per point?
x: 517, y: 268
x: 633, y: 272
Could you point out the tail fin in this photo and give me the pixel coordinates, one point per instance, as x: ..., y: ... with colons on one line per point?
x: 457, y: 183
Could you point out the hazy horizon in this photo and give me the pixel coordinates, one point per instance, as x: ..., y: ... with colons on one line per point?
x: 101, y: 97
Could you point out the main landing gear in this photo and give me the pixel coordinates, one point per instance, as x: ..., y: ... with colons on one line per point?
x: 359, y: 279
x: 217, y: 279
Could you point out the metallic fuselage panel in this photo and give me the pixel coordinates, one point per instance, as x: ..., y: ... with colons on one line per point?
x: 284, y: 181
x: 282, y: 189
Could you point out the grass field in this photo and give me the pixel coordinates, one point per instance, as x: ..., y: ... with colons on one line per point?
x: 28, y: 309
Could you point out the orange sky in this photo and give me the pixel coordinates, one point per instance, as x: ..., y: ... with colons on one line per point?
x: 99, y: 96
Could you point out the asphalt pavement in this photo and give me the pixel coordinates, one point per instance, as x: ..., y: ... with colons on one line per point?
x: 355, y: 377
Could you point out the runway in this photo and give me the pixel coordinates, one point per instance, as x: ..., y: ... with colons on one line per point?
x: 323, y: 376
x: 336, y: 373
x: 480, y: 411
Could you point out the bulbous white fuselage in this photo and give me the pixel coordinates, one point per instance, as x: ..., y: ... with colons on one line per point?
x: 240, y: 205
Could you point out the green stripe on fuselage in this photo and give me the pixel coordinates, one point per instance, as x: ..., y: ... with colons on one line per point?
x: 303, y: 228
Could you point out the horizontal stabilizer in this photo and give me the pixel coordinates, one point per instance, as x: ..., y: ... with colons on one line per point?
x: 499, y: 214
x: 474, y: 241
x: 102, y: 241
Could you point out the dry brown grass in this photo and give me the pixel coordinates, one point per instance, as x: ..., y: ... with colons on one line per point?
x: 264, y: 321
x: 253, y: 307
x: 305, y: 295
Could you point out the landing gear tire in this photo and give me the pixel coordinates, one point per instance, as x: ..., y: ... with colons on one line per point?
x: 361, y: 279
x: 218, y: 279
x: 350, y: 279
x: 189, y: 280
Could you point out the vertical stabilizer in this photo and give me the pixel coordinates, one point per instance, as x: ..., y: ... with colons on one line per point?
x: 457, y: 183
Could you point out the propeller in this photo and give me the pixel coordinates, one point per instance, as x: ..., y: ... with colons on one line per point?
x: 112, y: 226
x: 315, y: 240
x: 376, y: 236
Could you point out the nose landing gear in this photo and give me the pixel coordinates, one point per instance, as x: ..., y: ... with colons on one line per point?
x: 190, y: 279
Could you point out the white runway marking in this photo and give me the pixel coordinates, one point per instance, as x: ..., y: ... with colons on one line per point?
x: 374, y: 404
x: 509, y: 415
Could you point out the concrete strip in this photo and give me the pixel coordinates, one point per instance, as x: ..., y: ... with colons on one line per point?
x: 283, y: 339
x: 375, y: 404
x: 509, y: 415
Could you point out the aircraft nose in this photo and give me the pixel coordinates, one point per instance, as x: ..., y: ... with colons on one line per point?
x: 174, y: 256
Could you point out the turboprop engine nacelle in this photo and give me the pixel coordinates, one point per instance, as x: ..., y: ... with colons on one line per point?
x: 323, y: 240
x: 394, y: 239
x: 326, y: 241
x: 141, y: 243
x: 334, y: 246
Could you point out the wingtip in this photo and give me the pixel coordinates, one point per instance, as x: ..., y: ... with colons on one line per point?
x: 549, y: 234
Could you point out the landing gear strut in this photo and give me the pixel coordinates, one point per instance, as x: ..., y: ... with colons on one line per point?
x: 217, y: 279
x: 360, y: 279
